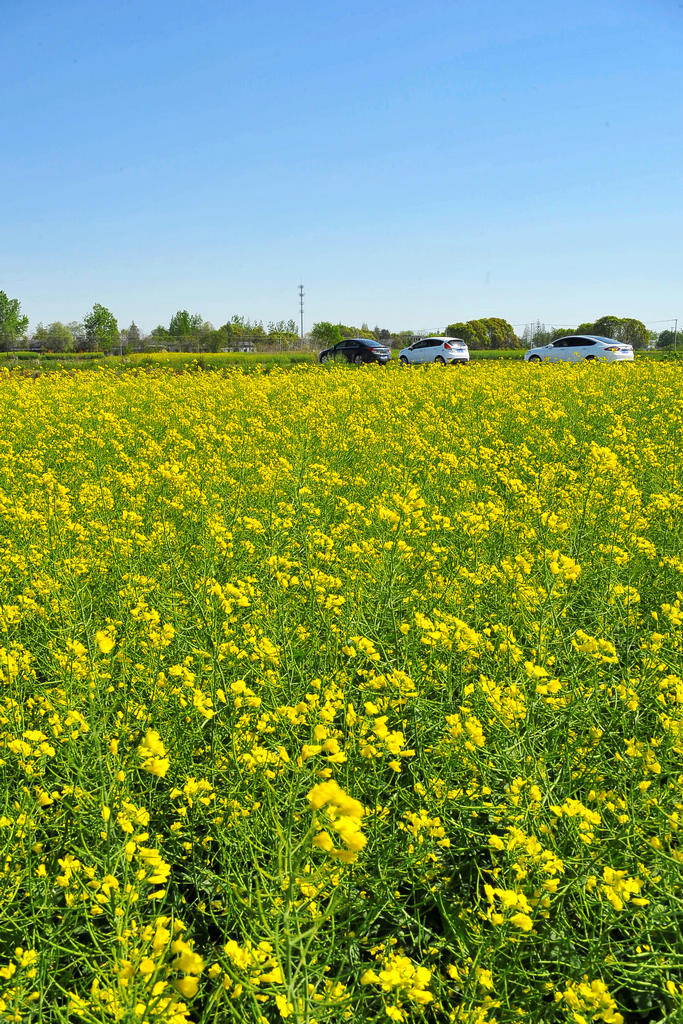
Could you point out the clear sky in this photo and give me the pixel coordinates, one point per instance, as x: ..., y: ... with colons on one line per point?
x: 411, y: 164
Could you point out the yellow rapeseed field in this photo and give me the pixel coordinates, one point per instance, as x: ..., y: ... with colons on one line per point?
x: 334, y: 695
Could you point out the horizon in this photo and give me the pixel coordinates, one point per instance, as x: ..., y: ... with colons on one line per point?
x: 521, y: 330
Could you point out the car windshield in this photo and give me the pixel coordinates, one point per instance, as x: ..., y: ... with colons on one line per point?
x: 371, y: 343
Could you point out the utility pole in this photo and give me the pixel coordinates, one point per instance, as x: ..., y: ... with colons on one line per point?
x: 301, y: 309
x: 675, y: 332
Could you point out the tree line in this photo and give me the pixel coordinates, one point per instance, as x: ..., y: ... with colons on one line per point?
x: 495, y: 333
x: 490, y: 332
x: 99, y: 331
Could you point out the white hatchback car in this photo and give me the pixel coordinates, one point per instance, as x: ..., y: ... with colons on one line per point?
x: 577, y: 347
x: 436, y: 350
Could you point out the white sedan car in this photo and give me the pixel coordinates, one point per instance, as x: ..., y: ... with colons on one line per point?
x: 436, y: 350
x: 577, y: 347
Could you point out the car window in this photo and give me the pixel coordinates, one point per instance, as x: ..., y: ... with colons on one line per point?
x: 586, y: 342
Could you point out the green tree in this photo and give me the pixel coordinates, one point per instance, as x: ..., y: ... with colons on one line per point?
x: 60, y: 338
x: 626, y: 330
x: 236, y: 331
x: 472, y: 333
x: 158, y: 337
x: 55, y: 338
x: 12, y: 323
x: 501, y: 333
x: 77, y: 333
x: 488, y: 332
x: 326, y: 334
x: 133, y: 337
x: 607, y: 327
x: 129, y: 338
x: 356, y: 332
x: 101, y: 330
x: 215, y: 340
x: 186, y: 328
x: 635, y: 333
x: 459, y: 329
x: 560, y: 332
x: 283, y: 334
x: 665, y: 339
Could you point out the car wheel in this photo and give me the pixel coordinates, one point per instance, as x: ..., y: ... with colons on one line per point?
x: 358, y: 360
x: 590, y: 359
x: 534, y: 359
x: 325, y: 358
x: 404, y: 361
x: 440, y: 359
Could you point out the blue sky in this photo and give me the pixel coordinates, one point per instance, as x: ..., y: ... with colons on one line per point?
x: 412, y: 165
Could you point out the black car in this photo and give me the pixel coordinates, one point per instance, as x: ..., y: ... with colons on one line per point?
x: 357, y: 350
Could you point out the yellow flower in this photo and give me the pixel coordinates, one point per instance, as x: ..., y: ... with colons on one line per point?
x: 187, y: 986
x: 285, y: 1008
x: 186, y: 959
x: 522, y: 921
x: 104, y: 642
x: 152, y: 753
